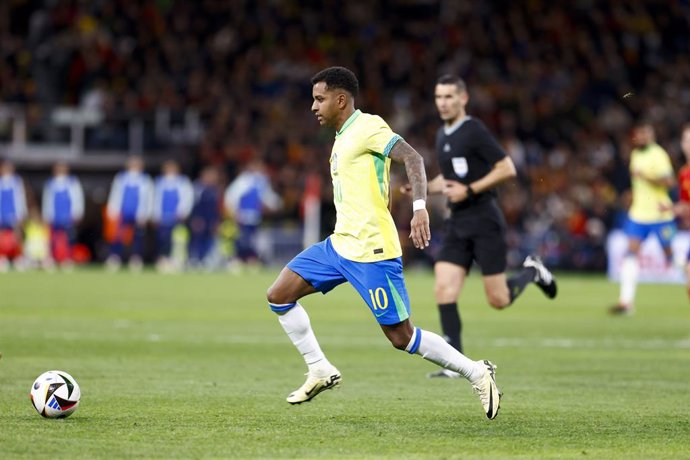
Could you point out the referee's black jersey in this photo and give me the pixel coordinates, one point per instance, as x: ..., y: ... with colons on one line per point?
x: 466, y: 152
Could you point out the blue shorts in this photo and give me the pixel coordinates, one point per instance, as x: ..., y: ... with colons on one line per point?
x: 381, y: 284
x: 664, y: 231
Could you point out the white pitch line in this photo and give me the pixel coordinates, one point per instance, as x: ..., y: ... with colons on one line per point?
x: 161, y: 337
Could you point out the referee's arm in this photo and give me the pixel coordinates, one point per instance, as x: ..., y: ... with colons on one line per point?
x: 503, y: 170
x: 436, y: 185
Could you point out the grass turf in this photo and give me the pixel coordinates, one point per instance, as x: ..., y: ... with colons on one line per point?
x: 197, y: 366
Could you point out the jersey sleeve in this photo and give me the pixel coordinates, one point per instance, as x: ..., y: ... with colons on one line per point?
x: 662, y: 166
x: 381, y: 138
x: 485, y: 144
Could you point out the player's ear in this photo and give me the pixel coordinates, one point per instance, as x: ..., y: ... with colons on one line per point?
x: 464, y: 97
x: 342, y: 100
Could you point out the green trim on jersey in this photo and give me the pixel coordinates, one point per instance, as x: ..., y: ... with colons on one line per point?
x: 364, y: 228
x: 348, y: 122
x: 399, y: 303
x: 380, y: 166
x: 394, y: 140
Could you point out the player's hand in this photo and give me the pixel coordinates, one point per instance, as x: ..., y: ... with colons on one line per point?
x: 637, y: 174
x: 420, y: 233
x: 680, y: 209
x: 455, y: 191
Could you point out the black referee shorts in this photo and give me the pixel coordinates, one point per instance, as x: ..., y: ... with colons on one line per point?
x: 477, y: 237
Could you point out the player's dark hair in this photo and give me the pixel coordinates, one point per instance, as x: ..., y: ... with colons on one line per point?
x: 338, y: 77
x: 643, y: 122
x: 449, y: 79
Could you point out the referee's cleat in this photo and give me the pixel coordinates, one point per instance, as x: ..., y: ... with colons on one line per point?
x: 487, y: 390
x: 543, y: 277
x: 315, y: 385
x: 443, y: 374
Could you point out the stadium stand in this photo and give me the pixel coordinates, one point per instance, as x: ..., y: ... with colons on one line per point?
x: 218, y: 83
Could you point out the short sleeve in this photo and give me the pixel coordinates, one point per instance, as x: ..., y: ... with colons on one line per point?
x: 381, y: 138
x: 485, y: 144
x: 663, y: 166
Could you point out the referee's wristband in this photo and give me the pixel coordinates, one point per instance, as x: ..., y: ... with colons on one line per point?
x: 418, y: 204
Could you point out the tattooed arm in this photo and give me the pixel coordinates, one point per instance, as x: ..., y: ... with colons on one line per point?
x: 414, y: 166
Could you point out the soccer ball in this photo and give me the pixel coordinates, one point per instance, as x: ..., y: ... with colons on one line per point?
x: 55, y: 394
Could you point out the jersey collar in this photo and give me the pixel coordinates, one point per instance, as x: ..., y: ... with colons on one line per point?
x: 448, y: 130
x: 348, y: 122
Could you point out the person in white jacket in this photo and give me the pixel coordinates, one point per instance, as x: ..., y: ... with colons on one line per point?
x: 129, y: 205
x: 12, y: 213
x: 246, y: 199
x: 172, y: 202
x: 62, y: 209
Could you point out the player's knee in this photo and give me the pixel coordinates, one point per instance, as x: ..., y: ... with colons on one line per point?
x: 499, y: 300
x: 274, y: 296
x: 400, y: 338
x: 444, y: 291
x: 399, y: 343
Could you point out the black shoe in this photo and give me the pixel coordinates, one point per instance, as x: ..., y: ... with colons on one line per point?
x: 543, y: 277
x: 621, y: 310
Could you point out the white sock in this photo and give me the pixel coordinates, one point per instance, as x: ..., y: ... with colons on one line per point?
x: 296, y: 324
x: 433, y: 348
x: 630, y: 269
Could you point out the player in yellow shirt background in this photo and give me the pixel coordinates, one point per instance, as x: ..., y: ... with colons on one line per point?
x: 364, y: 248
x: 651, y: 211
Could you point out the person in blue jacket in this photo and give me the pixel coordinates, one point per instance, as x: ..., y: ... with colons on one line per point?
x: 129, y: 205
x: 172, y: 202
x: 62, y: 209
x: 12, y: 214
x: 246, y: 199
x: 205, y: 217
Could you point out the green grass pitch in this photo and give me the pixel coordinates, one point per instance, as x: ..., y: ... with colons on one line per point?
x: 196, y: 366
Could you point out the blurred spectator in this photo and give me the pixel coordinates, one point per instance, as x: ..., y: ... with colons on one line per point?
x: 12, y: 214
x: 129, y: 208
x: 246, y: 199
x: 36, y: 248
x: 205, y: 218
x: 172, y: 203
x: 683, y: 206
x: 547, y: 77
x: 63, y: 208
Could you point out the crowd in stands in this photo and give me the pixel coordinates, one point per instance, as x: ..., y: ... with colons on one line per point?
x: 560, y: 83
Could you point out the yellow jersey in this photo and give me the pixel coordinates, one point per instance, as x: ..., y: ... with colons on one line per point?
x: 650, y: 203
x: 360, y: 171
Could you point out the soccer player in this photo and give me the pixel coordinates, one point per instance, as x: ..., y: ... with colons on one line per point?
x: 364, y: 248
x: 472, y: 164
x: 12, y: 213
x: 129, y: 204
x: 173, y: 197
x: 245, y: 200
x: 63, y: 207
x: 651, y: 211
x: 683, y: 208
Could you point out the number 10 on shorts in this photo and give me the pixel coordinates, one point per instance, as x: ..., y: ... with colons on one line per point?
x: 379, y: 299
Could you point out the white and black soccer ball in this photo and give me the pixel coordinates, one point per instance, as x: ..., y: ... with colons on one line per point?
x: 55, y: 394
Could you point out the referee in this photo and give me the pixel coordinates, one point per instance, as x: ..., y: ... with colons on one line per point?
x: 472, y: 164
